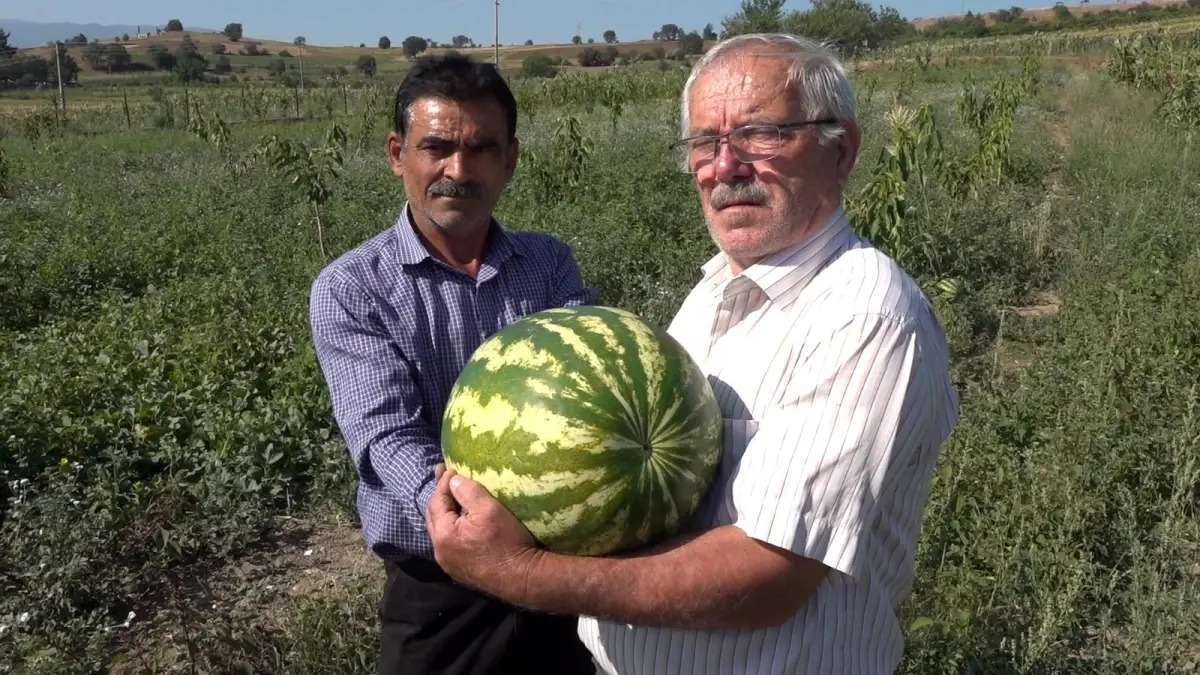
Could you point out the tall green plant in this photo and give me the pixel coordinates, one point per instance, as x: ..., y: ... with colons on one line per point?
x: 309, y: 168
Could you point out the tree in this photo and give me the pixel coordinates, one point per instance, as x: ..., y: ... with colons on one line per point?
x: 125, y: 37
x: 669, y: 33
x: 756, y: 16
x: 276, y: 67
x: 529, y: 43
x: 691, y: 44
x: 462, y: 41
x: 610, y: 36
x: 233, y: 31
x: 592, y: 58
x: 850, y: 24
x: 174, y: 26
x: 576, y: 40
x: 538, y: 65
x: 414, y: 45
x: 709, y: 34
x: 385, y: 42
x: 366, y: 65
x: 222, y: 65
x: 70, y: 68
x: 161, y: 57
x: 6, y: 49
x: 117, y: 59
x: 217, y: 48
x: 189, y: 65
x: 93, y: 55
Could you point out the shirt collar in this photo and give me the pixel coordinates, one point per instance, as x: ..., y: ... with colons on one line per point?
x: 784, y: 274
x: 411, y: 249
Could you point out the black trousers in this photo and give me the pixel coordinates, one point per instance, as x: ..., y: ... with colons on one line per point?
x: 432, y: 625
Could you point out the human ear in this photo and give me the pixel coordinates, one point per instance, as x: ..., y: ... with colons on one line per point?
x: 395, y: 150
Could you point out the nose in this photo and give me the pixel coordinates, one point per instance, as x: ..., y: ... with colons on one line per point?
x: 727, y: 165
x: 454, y: 165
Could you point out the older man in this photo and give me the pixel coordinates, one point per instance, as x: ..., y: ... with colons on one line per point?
x: 832, y: 372
x: 395, y: 319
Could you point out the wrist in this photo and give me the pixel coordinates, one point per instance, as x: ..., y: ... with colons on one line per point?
x: 527, y: 565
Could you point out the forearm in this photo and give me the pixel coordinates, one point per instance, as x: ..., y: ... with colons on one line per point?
x: 403, y: 462
x: 716, y: 579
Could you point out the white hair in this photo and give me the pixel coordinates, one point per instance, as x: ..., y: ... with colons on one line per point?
x: 815, y: 74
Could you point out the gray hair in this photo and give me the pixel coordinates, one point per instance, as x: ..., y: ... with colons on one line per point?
x: 815, y: 73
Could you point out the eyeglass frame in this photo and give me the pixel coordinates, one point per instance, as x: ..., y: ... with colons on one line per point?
x: 717, y: 138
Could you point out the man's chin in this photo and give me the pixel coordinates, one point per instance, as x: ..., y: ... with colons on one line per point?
x: 456, y: 223
x: 746, y: 241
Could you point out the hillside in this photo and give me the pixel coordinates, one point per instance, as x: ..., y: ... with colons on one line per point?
x: 35, y: 34
x: 388, y: 59
x: 1047, y: 13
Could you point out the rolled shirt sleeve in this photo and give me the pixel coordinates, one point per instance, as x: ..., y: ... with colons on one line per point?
x: 374, y: 394
x: 824, y: 465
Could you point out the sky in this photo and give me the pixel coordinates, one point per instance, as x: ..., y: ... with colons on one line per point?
x: 350, y: 22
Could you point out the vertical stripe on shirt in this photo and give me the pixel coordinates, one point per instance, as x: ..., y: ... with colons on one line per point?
x: 832, y: 372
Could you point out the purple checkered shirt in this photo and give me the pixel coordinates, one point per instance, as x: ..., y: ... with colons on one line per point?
x: 393, y: 326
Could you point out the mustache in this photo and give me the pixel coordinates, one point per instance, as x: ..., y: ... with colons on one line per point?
x: 448, y: 187
x: 739, y: 193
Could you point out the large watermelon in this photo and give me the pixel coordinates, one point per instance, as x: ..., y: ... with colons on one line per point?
x: 596, y: 429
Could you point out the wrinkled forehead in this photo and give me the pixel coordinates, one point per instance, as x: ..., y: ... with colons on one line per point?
x: 476, y: 119
x: 741, y: 84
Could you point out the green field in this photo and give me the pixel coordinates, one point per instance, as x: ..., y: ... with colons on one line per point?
x: 166, y: 442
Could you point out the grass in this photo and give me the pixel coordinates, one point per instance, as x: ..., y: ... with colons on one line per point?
x: 166, y: 429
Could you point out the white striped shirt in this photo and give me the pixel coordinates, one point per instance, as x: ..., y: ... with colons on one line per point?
x: 832, y: 373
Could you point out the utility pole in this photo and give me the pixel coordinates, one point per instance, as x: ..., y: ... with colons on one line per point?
x: 497, y: 43
x: 300, y: 42
x: 62, y: 98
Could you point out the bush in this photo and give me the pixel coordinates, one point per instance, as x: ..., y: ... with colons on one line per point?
x: 538, y: 65
x: 593, y: 58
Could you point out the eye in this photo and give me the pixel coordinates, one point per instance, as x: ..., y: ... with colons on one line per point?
x: 760, y: 135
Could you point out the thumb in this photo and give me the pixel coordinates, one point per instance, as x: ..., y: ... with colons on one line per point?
x: 469, y: 493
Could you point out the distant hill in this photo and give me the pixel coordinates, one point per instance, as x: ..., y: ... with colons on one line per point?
x: 34, y: 34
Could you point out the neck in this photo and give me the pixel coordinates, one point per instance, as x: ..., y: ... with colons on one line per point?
x: 464, y: 253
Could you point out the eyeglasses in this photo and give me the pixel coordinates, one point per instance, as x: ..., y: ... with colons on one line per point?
x: 751, y: 143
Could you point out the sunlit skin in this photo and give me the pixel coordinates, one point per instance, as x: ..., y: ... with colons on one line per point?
x: 454, y: 144
x: 800, y: 190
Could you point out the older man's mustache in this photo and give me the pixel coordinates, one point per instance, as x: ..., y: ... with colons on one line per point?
x: 738, y: 193
x: 447, y: 187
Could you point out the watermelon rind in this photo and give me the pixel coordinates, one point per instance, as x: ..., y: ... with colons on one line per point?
x: 594, y: 427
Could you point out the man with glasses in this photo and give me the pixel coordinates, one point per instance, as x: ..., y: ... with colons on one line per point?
x: 831, y: 370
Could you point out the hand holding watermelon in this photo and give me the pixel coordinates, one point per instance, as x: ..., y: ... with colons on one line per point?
x: 476, y: 539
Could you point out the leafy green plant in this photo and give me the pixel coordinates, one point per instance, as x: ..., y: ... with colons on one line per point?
x: 309, y: 169
x: 555, y: 172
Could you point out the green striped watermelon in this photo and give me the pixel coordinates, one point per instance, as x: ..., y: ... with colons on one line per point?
x: 596, y: 429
